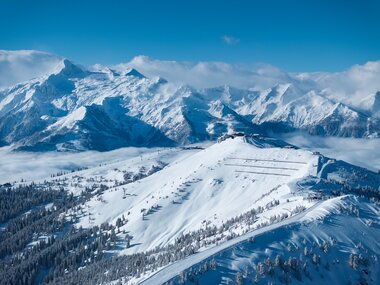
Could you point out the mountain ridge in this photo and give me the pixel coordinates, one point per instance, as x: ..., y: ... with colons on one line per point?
x: 176, y: 114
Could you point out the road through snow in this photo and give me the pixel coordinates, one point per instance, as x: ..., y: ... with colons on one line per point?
x: 172, y: 270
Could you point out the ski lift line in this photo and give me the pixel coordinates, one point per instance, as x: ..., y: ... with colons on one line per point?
x: 259, y: 166
x: 270, y: 160
x: 263, y: 173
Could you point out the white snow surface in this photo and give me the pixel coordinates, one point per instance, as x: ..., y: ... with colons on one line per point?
x: 325, y: 223
x: 174, y: 269
x: 214, y: 184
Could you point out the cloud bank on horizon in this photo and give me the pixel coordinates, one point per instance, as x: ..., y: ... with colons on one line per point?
x: 354, y: 86
x: 362, y: 152
x: 206, y: 74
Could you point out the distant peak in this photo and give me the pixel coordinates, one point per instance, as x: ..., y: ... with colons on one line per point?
x: 134, y: 72
x: 376, y: 104
x: 159, y: 80
x: 112, y: 72
x: 282, y: 88
x: 70, y: 70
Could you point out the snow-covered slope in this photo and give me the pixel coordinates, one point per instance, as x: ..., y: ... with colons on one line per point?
x: 186, y: 266
x: 318, y: 248
x: 214, y: 185
x: 188, y: 190
x: 164, y: 204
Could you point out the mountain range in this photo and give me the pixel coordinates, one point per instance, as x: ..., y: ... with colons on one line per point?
x: 64, y: 106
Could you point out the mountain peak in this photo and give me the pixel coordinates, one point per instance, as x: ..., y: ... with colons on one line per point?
x: 70, y: 70
x: 134, y: 72
x: 376, y: 104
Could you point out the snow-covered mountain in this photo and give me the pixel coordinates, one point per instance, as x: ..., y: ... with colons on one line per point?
x: 74, y: 108
x: 204, y: 202
x: 287, y: 107
x: 227, y: 207
x: 315, y: 248
x: 177, y: 207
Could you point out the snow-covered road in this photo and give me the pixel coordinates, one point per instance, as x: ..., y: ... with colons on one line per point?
x: 176, y: 268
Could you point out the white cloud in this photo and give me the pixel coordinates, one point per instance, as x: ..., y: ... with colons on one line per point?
x: 209, y: 74
x: 354, y: 86
x: 22, y: 65
x: 358, y: 151
x: 230, y: 40
x: 38, y: 165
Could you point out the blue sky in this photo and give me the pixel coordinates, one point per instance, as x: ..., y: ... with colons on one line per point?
x: 294, y: 35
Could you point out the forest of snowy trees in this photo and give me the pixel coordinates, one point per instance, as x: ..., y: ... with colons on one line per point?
x: 41, y: 245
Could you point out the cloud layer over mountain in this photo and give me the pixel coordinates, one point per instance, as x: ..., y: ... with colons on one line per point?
x: 354, y: 86
x: 22, y: 65
x: 209, y: 74
x: 107, y: 107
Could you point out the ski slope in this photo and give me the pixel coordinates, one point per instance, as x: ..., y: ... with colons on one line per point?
x: 178, y: 191
x: 199, y: 199
x: 322, y: 244
x: 205, y: 187
x: 176, y: 268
